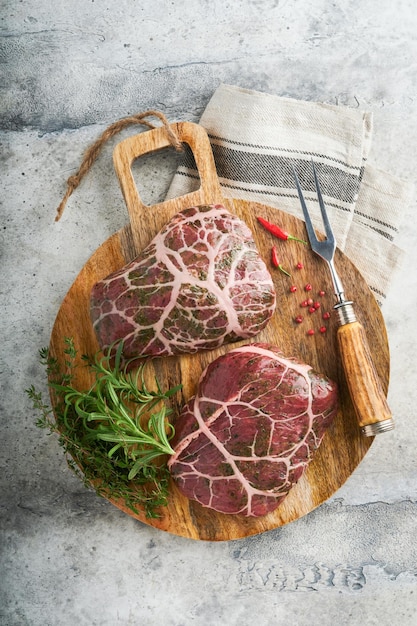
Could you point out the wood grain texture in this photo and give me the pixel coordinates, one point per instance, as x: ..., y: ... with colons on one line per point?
x: 343, y: 446
x: 371, y: 406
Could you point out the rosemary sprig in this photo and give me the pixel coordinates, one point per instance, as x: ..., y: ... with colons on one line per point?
x: 114, y: 431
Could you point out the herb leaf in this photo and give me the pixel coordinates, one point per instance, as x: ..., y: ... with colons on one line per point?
x: 117, y: 431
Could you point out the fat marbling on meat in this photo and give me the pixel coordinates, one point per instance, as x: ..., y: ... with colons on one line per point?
x: 199, y: 284
x: 250, y: 431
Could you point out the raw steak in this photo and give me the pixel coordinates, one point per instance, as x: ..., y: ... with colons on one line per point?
x: 249, y: 433
x: 200, y: 283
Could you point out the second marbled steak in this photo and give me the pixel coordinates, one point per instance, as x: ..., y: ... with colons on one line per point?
x: 247, y: 436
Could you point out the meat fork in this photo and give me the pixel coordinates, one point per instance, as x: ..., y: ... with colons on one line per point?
x: 367, y: 395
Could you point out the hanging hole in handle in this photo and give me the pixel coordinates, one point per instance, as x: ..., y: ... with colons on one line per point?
x: 153, y: 173
x: 127, y: 151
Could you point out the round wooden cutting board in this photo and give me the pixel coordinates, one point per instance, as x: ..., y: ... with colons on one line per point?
x: 343, y: 446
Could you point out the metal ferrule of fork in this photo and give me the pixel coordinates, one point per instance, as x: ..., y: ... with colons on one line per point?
x: 345, y: 312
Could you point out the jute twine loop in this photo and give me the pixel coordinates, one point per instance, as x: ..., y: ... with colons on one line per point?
x: 94, y: 150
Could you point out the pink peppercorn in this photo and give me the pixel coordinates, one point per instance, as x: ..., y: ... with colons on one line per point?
x: 311, y: 309
x: 308, y: 287
x: 323, y: 329
x: 293, y: 288
x: 326, y: 315
x: 317, y: 305
x: 299, y: 266
x: 310, y: 331
x: 299, y: 319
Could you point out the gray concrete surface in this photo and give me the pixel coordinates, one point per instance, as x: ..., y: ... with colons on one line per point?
x: 68, y: 70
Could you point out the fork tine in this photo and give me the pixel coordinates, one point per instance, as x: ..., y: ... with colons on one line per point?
x: 326, y: 222
x: 309, y: 226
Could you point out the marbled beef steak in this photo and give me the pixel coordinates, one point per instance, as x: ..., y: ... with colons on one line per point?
x: 200, y: 283
x: 250, y: 431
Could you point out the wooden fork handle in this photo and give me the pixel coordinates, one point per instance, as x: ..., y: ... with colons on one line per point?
x: 371, y: 407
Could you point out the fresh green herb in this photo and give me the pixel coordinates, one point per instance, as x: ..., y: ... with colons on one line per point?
x: 117, y: 432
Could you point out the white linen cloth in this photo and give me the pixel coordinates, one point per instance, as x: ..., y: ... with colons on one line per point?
x: 257, y: 138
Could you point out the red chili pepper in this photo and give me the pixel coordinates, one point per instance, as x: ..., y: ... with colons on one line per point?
x: 275, y: 262
x: 278, y: 232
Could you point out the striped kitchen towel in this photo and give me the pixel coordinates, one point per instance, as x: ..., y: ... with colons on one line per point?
x: 257, y: 138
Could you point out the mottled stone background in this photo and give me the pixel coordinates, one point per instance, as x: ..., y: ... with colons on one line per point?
x: 68, y: 70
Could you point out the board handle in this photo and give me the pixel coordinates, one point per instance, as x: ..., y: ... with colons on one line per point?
x: 368, y: 398
x: 128, y: 150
